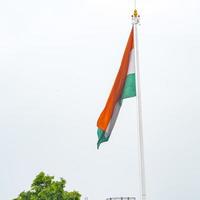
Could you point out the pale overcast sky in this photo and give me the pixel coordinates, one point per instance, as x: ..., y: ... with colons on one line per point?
x: 58, y: 60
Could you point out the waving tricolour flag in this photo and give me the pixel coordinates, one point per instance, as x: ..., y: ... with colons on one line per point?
x: 124, y: 87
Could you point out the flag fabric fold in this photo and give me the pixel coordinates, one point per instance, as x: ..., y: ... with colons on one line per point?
x: 124, y: 87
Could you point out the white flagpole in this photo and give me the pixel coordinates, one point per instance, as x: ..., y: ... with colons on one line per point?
x: 142, y: 184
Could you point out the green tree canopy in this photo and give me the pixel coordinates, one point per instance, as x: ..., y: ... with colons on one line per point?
x: 44, y: 187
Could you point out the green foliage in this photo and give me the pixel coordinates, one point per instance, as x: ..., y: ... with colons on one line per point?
x: 44, y: 187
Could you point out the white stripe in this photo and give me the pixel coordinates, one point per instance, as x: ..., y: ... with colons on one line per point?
x: 113, y: 119
x: 131, y: 67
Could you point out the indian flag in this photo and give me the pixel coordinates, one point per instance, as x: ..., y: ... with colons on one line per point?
x: 124, y: 87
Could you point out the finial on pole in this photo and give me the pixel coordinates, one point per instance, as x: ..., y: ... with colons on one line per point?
x: 135, y: 14
x: 135, y: 17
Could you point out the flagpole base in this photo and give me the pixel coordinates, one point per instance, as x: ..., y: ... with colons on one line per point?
x: 144, y: 197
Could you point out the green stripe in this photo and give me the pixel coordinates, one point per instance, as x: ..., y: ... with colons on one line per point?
x: 129, y: 87
x: 101, y: 137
